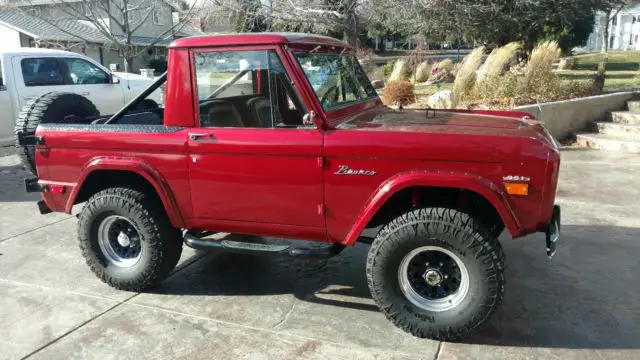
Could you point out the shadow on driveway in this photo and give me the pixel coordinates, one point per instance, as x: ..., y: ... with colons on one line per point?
x: 585, y: 298
x: 12, y: 184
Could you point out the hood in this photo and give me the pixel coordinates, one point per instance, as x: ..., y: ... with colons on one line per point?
x: 132, y: 77
x: 459, y: 135
x: 134, y: 82
x: 450, y: 122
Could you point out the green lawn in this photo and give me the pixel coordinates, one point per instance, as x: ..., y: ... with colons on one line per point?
x: 620, y: 84
x: 390, y: 53
x: 614, y: 80
x: 428, y: 90
x: 616, y: 60
x: 401, y: 53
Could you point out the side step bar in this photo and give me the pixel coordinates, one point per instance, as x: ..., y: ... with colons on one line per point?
x: 267, y: 249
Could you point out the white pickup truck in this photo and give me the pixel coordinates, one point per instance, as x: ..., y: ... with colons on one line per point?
x: 28, y: 73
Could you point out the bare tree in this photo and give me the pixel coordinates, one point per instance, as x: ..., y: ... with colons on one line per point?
x: 315, y: 15
x: 497, y: 22
x: 117, y: 21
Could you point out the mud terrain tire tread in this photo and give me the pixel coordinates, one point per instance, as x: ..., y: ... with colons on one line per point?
x: 464, y: 235
x: 162, y: 242
x: 52, y: 107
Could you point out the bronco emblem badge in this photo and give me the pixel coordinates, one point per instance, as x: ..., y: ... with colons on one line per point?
x: 344, y: 170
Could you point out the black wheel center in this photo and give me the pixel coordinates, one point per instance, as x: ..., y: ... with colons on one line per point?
x: 124, y: 239
x: 434, y: 275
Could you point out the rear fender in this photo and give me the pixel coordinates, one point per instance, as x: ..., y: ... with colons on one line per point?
x: 436, y: 178
x: 140, y: 167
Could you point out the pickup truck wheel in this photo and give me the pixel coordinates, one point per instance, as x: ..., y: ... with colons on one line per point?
x: 127, y: 239
x: 53, y: 107
x: 436, y: 273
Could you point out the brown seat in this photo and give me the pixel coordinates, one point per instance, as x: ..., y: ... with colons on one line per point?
x: 219, y: 113
x: 263, y: 113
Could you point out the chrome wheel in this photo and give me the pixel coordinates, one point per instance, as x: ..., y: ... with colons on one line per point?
x: 119, y: 241
x: 433, y: 278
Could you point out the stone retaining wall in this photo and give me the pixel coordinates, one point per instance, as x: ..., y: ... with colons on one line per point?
x: 567, y: 117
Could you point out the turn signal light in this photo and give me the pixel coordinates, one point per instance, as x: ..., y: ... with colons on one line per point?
x: 517, y: 188
x: 56, y: 189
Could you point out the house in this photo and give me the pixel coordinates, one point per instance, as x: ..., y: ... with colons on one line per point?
x: 54, y: 24
x: 624, y: 30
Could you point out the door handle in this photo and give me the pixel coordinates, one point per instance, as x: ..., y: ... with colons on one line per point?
x: 86, y: 93
x: 198, y: 136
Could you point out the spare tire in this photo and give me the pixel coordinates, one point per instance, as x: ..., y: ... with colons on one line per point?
x: 53, y: 107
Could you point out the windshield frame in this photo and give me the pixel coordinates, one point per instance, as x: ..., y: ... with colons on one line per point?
x: 358, y: 68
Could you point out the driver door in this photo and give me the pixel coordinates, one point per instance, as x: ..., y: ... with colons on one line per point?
x: 250, y: 165
x: 95, y: 84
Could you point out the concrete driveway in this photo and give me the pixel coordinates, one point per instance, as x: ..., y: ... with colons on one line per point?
x: 581, y: 305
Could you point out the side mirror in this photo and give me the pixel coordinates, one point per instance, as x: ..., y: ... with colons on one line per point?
x: 115, y: 79
x: 309, y: 118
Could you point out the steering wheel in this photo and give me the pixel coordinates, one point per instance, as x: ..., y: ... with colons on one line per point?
x: 333, y: 89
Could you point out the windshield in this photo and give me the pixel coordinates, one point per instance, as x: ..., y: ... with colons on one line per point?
x: 337, y: 80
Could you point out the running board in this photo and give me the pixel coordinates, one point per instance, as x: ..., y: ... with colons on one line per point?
x: 241, y: 247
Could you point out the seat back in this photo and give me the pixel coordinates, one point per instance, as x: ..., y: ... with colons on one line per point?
x: 219, y: 113
x: 261, y: 111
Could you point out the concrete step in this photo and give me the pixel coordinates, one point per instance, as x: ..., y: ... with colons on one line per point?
x: 608, y: 143
x: 633, y: 106
x: 625, y: 117
x: 631, y: 131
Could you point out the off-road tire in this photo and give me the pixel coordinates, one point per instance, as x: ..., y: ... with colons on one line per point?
x: 480, y: 252
x: 53, y: 107
x: 161, y: 244
x: 496, y: 230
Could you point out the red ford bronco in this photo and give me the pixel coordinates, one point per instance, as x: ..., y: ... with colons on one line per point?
x: 283, y: 135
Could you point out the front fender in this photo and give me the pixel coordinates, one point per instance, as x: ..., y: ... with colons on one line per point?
x: 437, y: 178
x: 140, y: 167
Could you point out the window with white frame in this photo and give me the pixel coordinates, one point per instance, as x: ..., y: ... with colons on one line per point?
x: 157, y: 17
